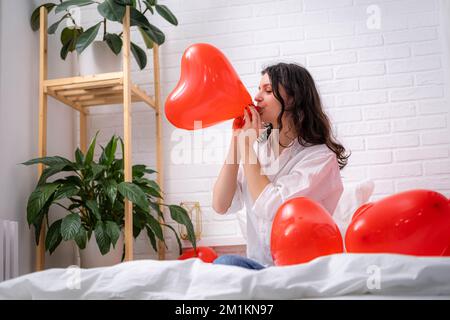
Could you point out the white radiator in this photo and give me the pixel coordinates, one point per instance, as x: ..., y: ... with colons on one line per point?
x: 9, y: 249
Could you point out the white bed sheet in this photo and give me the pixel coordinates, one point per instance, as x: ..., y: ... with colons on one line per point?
x: 337, y: 276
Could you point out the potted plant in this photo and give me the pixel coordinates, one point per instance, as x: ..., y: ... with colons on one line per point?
x: 93, y: 195
x: 75, y: 38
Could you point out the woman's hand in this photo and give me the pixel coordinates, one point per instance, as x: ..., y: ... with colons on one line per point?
x: 251, y: 129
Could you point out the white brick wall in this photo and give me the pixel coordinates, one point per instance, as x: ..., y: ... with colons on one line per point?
x: 385, y: 89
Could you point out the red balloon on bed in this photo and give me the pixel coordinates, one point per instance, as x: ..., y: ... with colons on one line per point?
x: 302, y: 231
x: 206, y: 254
x: 415, y: 222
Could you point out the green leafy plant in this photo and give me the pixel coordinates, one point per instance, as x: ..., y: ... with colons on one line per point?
x: 93, y: 194
x: 76, y: 38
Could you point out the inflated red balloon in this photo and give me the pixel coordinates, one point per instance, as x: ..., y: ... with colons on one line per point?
x: 302, y: 231
x: 415, y: 222
x: 206, y: 254
x: 209, y: 89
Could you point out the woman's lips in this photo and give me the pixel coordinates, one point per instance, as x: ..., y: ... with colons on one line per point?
x: 259, y: 109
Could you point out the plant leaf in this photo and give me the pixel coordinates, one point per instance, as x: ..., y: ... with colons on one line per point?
x: 151, y: 236
x: 112, y: 11
x: 140, y: 169
x: 36, y: 15
x: 79, y: 157
x: 97, y: 169
x: 50, y: 171
x: 101, y: 236
x: 108, y: 154
x: 53, y: 238
x: 38, y: 199
x: 93, y: 206
x: 139, y: 220
x: 157, y: 209
x: 139, y: 55
x: 114, y: 42
x: 65, y: 50
x: 87, y: 37
x: 48, y: 161
x: 67, y: 190
x: 149, y: 6
x: 179, y: 214
x: 133, y: 193
x: 52, y: 29
x: 155, y: 226
x: 38, y: 225
x: 110, y: 186
x: 138, y: 19
x: 166, y: 14
x: 155, y: 34
x: 142, y: 183
x: 126, y: 2
x: 178, y: 239
x: 69, y: 3
x: 70, y: 226
x: 90, y: 152
x: 147, y: 39
x: 69, y: 37
x: 81, y: 238
x: 159, y: 35
x: 113, y: 231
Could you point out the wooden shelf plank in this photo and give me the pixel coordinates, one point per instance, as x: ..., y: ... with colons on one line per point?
x: 86, y: 85
x: 145, y: 98
x: 81, y: 92
x: 72, y: 104
x: 106, y: 101
x: 91, y: 93
x: 84, y: 79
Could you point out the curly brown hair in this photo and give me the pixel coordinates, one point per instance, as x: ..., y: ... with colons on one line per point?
x: 306, y: 111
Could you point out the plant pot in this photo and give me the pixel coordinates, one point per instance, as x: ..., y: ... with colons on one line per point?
x: 91, y: 257
x: 98, y: 58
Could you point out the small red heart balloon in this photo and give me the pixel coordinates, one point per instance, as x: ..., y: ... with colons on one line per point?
x: 209, y: 89
x: 415, y: 222
x: 302, y: 231
x: 206, y: 254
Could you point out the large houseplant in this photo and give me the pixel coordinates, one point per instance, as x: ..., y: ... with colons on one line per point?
x: 76, y: 38
x: 93, y: 194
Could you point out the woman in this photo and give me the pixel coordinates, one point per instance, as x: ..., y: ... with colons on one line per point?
x: 297, y: 156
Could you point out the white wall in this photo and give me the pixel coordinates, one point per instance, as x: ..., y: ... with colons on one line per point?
x: 385, y: 89
x: 19, y: 121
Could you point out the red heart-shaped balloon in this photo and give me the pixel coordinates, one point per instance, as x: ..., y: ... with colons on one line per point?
x: 415, y: 222
x: 206, y: 254
x: 302, y: 231
x: 209, y: 89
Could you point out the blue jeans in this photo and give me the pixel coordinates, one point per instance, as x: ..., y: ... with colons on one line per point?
x: 239, y: 261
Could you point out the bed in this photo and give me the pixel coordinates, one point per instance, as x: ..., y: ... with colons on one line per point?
x: 339, y: 276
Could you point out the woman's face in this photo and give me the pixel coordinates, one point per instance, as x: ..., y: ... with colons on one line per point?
x: 270, y: 106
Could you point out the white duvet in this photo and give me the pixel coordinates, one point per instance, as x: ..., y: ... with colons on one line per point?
x: 356, y: 275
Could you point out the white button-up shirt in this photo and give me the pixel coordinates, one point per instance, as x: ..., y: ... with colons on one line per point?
x: 311, y: 172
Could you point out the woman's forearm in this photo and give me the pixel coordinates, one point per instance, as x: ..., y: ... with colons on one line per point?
x: 256, y: 181
x: 226, y: 182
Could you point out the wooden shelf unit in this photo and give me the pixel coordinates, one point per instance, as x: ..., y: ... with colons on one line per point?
x: 84, y: 92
